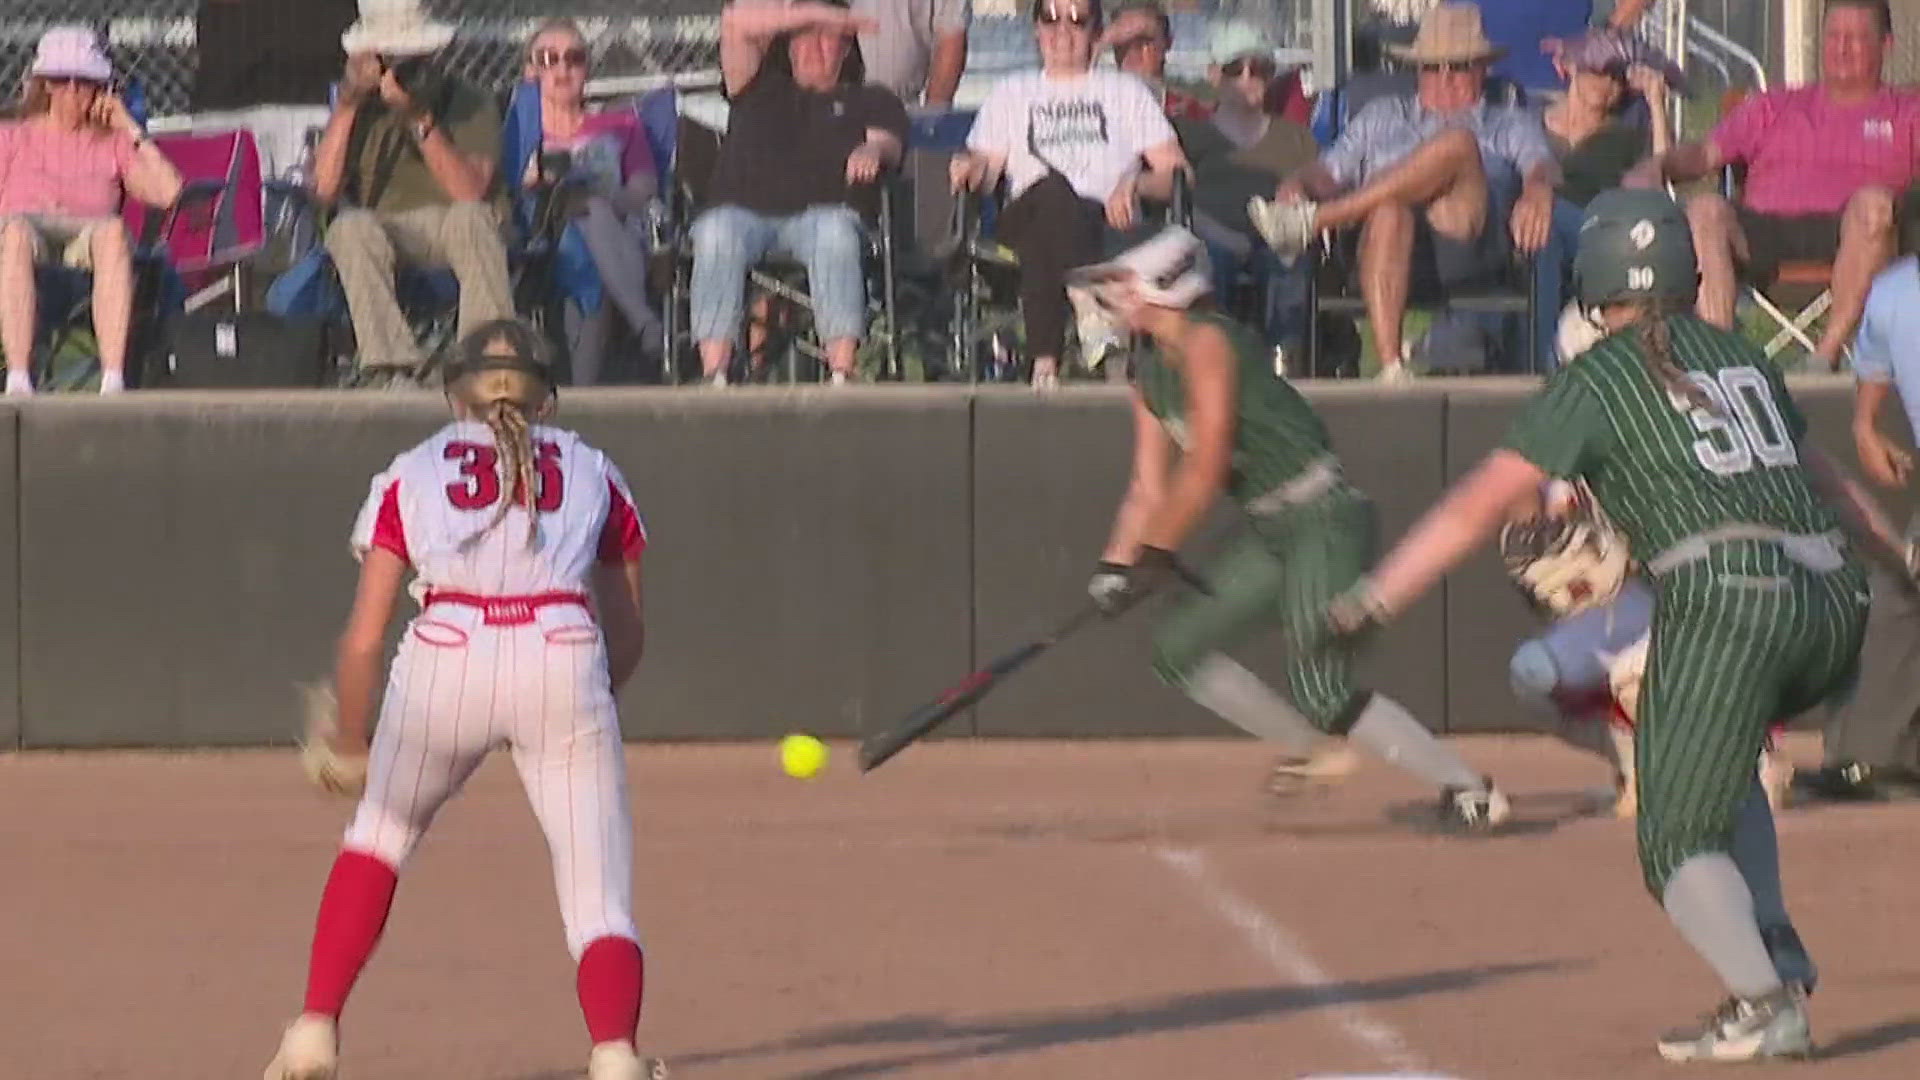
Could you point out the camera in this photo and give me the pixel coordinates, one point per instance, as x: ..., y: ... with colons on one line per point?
x: 410, y: 72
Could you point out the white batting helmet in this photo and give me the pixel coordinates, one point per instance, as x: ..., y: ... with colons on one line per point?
x: 1170, y: 270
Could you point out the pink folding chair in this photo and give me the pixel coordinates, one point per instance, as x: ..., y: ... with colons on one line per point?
x: 220, y: 221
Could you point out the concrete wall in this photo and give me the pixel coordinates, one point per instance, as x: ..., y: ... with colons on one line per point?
x: 819, y: 561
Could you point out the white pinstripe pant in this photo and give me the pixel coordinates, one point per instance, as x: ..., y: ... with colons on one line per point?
x: 458, y: 690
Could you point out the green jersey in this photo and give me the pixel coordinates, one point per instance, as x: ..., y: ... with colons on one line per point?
x: 1661, y: 467
x: 1276, y: 434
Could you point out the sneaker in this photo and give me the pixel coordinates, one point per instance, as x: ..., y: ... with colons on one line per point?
x: 619, y: 1061
x: 1294, y: 775
x: 718, y: 380
x: 1774, y: 1026
x: 1790, y: 959
x: 1048, y: 378
x: 1395, y: 374
x: 1463, y: 810
x: 1287, y: 227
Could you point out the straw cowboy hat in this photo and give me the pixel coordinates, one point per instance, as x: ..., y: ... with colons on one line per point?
x: 395, y: 28
x: 1450, y: 33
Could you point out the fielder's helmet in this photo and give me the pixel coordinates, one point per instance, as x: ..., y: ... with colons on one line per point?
x: 1170, y: 269
x: 512, y: 344
x: 1634, y: 245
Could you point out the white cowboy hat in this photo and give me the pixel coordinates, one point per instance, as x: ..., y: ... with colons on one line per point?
x: 1449, y: 34
x: 71, y: 52
x: 395, y: 28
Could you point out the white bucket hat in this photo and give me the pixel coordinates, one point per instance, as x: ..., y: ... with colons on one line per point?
x: 395, y: 28
x: 71, y: 52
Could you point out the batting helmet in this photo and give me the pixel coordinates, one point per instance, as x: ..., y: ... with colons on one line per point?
x: 1170, y: 269
x: 510, y: 344
x: 1634, y: 245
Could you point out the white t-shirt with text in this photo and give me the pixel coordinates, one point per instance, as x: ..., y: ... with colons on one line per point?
x: 1091, y: 128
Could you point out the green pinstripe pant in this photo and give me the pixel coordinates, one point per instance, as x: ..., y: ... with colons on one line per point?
x: 1741, y: 638
x: 1285, y: 571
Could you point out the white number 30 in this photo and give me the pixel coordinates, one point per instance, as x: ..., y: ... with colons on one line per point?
x: 1744, y: 425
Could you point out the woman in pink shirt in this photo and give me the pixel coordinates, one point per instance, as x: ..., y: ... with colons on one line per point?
x: 610, y: 150
x: 65, y: 167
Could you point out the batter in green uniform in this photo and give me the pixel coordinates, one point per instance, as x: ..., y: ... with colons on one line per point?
x: 1691, y: 444
x: 1205, y: 387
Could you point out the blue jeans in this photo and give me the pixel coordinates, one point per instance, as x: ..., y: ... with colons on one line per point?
x: 730, y: 240
x: 1281, y: 284
x: 1550, y: 279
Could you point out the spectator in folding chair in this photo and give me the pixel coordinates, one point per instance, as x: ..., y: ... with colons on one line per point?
x: 1827, y: 167
x: 1442, y: 183
x: 1071, y: 141
x: 1597, y: 144
x: 65, y: 166
x: 414, y: 152
x: 609, y: 157
x: 805, y: 136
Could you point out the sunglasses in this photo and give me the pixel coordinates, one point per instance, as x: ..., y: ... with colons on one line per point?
x: 1451, y: 67
x: 553, y: 58
x: 71, y: 80
x: 1079, y: 20
x: 1234, y: 68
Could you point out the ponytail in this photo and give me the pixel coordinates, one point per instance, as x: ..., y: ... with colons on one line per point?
x: 1655, y: 337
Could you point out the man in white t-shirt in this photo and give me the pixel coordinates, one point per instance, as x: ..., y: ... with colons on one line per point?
x: 1078, y: 149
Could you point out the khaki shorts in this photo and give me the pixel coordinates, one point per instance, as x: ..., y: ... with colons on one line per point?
x: 71, y: 237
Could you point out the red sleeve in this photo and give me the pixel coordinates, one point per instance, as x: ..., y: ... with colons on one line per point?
x: 622, y: 538
x: 388, y: 532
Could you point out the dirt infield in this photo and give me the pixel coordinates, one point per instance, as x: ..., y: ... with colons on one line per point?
x: 1021, y: 910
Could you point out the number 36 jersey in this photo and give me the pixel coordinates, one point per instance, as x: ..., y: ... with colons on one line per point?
x: 432, y: 507
x: 1663, y: 468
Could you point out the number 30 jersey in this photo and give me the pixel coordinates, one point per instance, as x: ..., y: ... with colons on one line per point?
x: 1663, y: 468
x: 432, y: 507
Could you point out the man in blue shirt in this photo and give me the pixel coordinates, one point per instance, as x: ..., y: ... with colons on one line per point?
x: 1872, y: 744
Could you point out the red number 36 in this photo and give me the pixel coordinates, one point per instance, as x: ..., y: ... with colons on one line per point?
x: 479, y: 486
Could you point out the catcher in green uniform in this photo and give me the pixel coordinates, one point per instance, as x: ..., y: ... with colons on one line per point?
x: 1205, y: 386
x: 1690, y: 443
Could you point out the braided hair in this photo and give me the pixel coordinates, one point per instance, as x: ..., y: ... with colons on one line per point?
x: 500, y: 376
x: 1654, y: 335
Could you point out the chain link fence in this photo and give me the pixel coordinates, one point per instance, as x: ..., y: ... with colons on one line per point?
x: 155, y: 42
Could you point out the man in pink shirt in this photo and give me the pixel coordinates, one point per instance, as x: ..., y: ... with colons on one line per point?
x: 1827, y: 165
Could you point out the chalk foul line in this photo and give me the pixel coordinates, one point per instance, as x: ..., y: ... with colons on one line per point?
x: 1284, y: 952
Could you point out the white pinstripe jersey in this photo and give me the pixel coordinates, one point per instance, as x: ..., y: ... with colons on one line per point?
x: 431, y: 503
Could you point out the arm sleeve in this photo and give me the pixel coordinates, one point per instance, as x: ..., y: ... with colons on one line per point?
x: 624, y: 536
x: 1564, y: 429
x: 380, y: 524
x: 1524, y: 139
x: 1738, y: 134
x: 884, y: 111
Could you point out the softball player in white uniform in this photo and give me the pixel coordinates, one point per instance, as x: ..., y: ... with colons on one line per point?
x: 508, y: 524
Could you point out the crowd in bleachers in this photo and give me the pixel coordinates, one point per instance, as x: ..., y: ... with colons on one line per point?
x: 850, y: 220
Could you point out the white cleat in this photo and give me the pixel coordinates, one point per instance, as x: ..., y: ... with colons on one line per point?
x: 310, y: 1050
x: 619, y: 1061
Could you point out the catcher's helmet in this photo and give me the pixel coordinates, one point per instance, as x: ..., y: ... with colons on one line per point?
x: 1634, y: 245
x: 513, y: 344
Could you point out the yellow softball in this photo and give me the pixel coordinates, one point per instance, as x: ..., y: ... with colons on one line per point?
x: 801, y: 756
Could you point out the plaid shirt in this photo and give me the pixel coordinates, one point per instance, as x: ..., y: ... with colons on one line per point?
x: 1391, y: 128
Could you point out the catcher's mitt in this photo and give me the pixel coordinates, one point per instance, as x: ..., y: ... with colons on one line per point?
x: 1624, y: 673
x: 1569, y: 561
x: 328, y: 769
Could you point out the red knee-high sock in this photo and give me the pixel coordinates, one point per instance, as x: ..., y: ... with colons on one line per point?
x: 611, y: 975
x: 353, y: 912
